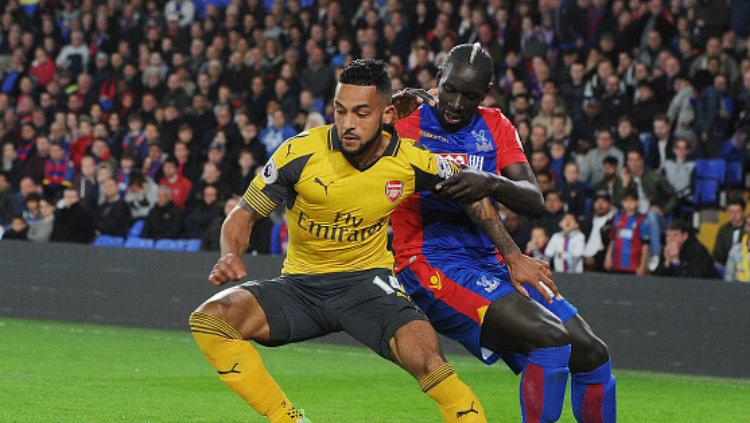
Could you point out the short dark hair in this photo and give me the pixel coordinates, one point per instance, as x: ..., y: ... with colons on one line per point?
x: 680, y: 225
x: 610, y: 160
x: 367, y: 72
x: 472, y: 55
x: 173, y: 160
x: 630, y: 192
x: 736, y: 202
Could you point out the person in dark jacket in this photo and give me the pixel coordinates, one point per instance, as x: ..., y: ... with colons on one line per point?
x: 165, y: 219
x: 731, y: 232
x: 684, y: 255
x: 73, y: 222
x: 199, y: 219
x: 113, y: 216
x: 17, y: 230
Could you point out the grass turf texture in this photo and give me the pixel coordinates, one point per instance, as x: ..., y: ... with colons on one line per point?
x: 62, y: 372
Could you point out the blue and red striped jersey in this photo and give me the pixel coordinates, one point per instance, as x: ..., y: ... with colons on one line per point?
x: 629, y: 233
x: 424, y: 225
x: 58, y: 173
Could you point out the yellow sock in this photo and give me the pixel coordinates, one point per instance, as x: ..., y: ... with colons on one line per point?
x: 240, y: 367
x: 456, y: 401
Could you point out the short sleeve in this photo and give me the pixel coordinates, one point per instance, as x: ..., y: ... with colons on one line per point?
x: 507, y: 142
x: 431, y: 169
x: 271, y: 185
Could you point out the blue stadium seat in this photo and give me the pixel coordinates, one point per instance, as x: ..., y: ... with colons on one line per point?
x: 136, y: 242
x: 734, y: 174
x: 137, y: 228
x: 706, y: 192
x: 713, y: 169
x: 109, y: 241
x: 191, y: 245
x: 168, y: 245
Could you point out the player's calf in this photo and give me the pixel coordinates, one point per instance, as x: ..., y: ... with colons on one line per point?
x: 236, y: 361
x: 416, y: 348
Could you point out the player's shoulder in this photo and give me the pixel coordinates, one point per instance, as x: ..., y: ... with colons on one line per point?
x: 495, y: 117
x: 305, y: 143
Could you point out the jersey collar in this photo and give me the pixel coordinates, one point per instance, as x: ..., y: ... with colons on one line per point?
x: 334, y: 144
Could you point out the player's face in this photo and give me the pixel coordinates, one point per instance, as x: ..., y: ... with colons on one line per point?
x: 460, y: 91
x: 360, y: 114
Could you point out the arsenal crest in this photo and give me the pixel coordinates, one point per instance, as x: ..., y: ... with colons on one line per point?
x: 393, y: 190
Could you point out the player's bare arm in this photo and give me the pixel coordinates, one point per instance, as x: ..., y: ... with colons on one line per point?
x: 523, y: 269
x: 235, y: 239
x: 515, y: 188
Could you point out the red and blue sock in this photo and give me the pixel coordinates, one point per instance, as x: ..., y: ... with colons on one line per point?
x: 592, y: 395
x: 543, y: 384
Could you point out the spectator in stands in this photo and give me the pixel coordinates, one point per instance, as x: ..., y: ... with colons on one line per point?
x: 596, y: 228
x: 681, y: 110
x: 538, y: 243
x: 573, y: 191
x: 683, y: 255
x: 628, y: 249
x: 243, y: 172
x: 113, y: 216
x: 656, y: 197
x: 198, y: 221
x: 58, y: 172
x: 165, y: 218
x: 738, y: 261
x: 627, y: 136
x: 517, y: 226
x: 73, y: 221
x: 17, y: 230
x: 679, y: 171
x: 41, y: 230
x: 731, y: 232
x: 566, y: 247
x: 317, y: 77
x: 7, y: 200
x: 591, y: 169
x: 33, y: 211
x: 714, y: 112
x: 11, y: 165
x: 276, y: 132
x: 178, y: 185
x: 212, y: 237
x: 660, y: 145
x: 550, y: 221
x: 86, y: 183
x: 140, y: 195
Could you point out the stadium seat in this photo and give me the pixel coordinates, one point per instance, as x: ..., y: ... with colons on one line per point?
x: 168, y: 245
x: 136, y: 242
x: 137, y: 228
x: 712, y: 169
x: 706, y: 192
x: 191, y: 245
x: 109, y: 241
x: 734, y: 174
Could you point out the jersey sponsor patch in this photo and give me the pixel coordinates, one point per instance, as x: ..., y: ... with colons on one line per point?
x: 270, y: 172
x: 394, y: 189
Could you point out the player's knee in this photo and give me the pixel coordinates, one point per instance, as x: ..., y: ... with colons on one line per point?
x: 551, y: 334
x: 214, y: 307
x: 593, y: 352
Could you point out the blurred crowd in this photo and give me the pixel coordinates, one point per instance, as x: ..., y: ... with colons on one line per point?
x: 160, y: 112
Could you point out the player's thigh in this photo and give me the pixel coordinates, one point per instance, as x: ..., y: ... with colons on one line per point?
x: 293, y: 313
x: 240, y: 309
x: 516, y: 324
x: 373, y: 309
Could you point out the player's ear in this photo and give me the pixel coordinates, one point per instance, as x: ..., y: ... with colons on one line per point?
x: 489, y: 87
x: 389, y: 115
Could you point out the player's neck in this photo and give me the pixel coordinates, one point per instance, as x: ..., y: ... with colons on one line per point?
x: 372, y: 153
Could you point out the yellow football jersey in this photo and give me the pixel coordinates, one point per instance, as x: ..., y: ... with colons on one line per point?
x: 337, y: 213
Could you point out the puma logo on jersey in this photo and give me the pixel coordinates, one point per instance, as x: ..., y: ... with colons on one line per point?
x: 319, y: 182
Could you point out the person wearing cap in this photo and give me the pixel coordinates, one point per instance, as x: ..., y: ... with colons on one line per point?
x: 593, y: 226
x: 628, y: 249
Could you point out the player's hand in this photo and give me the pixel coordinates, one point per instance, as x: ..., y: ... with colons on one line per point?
x: 228, y: 268
x: 531, y: 271
x: 408, y: 100
x: 466, y: 187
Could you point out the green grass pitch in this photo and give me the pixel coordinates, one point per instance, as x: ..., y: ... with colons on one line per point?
x: 62, y: 372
